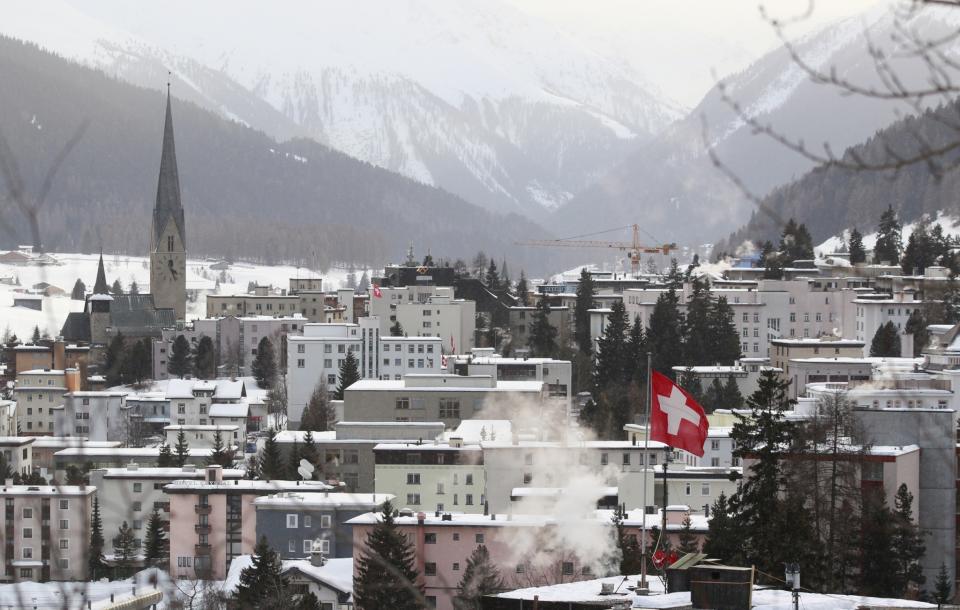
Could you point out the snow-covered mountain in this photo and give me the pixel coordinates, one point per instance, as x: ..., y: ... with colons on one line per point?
x: 473, y: 96
x: 671, y: 184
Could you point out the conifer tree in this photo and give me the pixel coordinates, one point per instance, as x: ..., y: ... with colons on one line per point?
x: 396, y: 330
x: 221, y: 454
x: 917, y: 326
x: 724, y: 340
x: 879, y: 574
x: 205, y: 359
x: 637, y: 354
x: 943, y: 586
x: 492, y: 279
x: 687, y: 539
x: 271, y: 462
x: 114, y: 361
x: 124, y: 546
x: 713, y: 397
x: 319, y: 414
x: 889, y: 239
x: 116, y: 289
x: 165, y: 459
x: 79, y: 291
x: 886, y: 342
x: 698, y: 344
x: 610, y: 375
x: 857, y: 252
x: 480, y: 577
x: 293, y: 462
x: 182, y: 449
x: 156, y: 545
x: 723, y: 539
x: 908, y: 546
x: 349, y: 374
x: 523, y: 290
x: 732, y: 398
x: 543, y: 335
x: 134, y: 287
x: 665, y: 333
x: 586, y: 293
x: 262, y: 584
x: 264, y: 367
x: 310, y: 451
x: 631, y: 558
x: 385, y: 576
x: 35, y: 339
x: 691, y: 383
x: 179, y: 361
x: 97, y: 566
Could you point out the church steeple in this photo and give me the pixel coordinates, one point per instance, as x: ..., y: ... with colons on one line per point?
x: 100, y: 286
x: 168, y: 204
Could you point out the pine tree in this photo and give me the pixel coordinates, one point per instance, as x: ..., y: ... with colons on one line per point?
x: 221, y: 454
x: 722, y: 331
x: 665, y: 333
x: 879, y: 566
x: 889, y: 239
x: 124, y: 546
x: 631, y: 558
x: 857, y: 252
x: 943, y: 587
x: 917, y: 326
x: 271, y: 462
x: 205, y: 359
x: 723, y: 539
x: 35, y: 338
x: 166, y: 459
x: 610, y: 392
x: 262, y: 584
x: 523, y: 290
x: 293, y: 462
x: 96, y: 564
x: 698, y: 345
x: 886, y: 342
x: 908, y: 546
x: 310, y: 451
x: 688, y: 540
x: 182, y: 449
x: 137, y: 361
x: 319, y: 414
x: 157, y: 545
x: 349, y: 374
x: 79, y: 291
x: 114, y: 361
x: 179, y: 362
x: 586, y: 293
x: 492, y: 279
x: 732, y: 398
x: 396, y: 330
x: 264, y: 367
x: 116, y: 289
x: 543, y: 335
x: 385, y: 576
x: 691, y: 383
x: 713, y: 398
x: 480, y: 577
x: 134, y: 287
x: 637, y: 353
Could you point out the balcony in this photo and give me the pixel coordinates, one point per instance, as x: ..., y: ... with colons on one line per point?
x: 202, y: 509
x: 201, y: 550
x: 202, y: 528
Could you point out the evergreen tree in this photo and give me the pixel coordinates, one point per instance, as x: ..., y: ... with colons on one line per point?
x: 179, y: 362
x: 886, y: 342
x: 722, y: 331
x: 586, y: 293
x: 878, y: 561
x: 262, y: 584
x: 691, y: 383
x: 688, y: 540
x: 492, y: 279
x: 917, y: 326
x: 310, y: 451
x: 264, y: 367
x: 396, y: 330
x: 543, y: 335
x: 665, y: 334
x: 319, y: 414
x: 889, y: 239
x: 637, y: 353
x: 182, y: 449
x: 137, y: 361
x: 79, y: 291
x: 943, y: 587
x: 504, y: 276
x: 124, y: 546
x: 523, y: 290
x: 631, y: 557
x: 166, y: 459
x: 205, y: 359
x: 795, y: 243
x: 116, y: 289
x: 134, y: 287
x: 698, y: 344
x: 114, y: 361
x: 610, y: 376
x: 713, y: 398
x: 480, y: 577
x: 385, y: 576
x: 723, y: 539
x: 221, y: 455
x: 157, y: 545
x: 293, y: 462
x: 364, y: 284
x: 908, y: 546
x: 732, y: 398
x: 96, y: 564
x: 307, y: 601
x: 271, y: 462
x: 857, y: 252
x: 349, y: 374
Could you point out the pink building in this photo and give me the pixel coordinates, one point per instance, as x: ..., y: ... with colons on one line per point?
x: 530, y: 550
x: 212, y: 520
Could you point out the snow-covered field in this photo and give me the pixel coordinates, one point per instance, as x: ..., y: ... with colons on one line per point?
x: 950, y: 224
x: 127, y: 269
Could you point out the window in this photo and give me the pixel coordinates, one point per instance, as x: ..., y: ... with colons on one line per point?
x: 449, y: 408
x: 137, y: 507
x: 626, y: 459
x: 137, y: 524
x: 325, y: 521
x: 28, y: 513
x: 440, y: 490
x: 705, y: 489
x: 63, y: 563
x: 413, y: 499
x: 137, y: 488
x: 456, y: 536
x: 430, y: 538
x: 291, y: 521
x: 469, y: 479
x: 714, y: 462
x: 479, y: 538
x: 521, y: 568
x: 567, y: 568
x: 64, y: 524
x: 413, y: 478
x: 301, y: 363
x: 325, y: 547
x: 26, y: 573
x: 469, y: 499
x: 307, y: 546
x: 28, y: 532
x: 430, y: 568
x: 604, y: 459
x: 184, y: 562
x: 527, y: 478
x: 715, y: 445
x: 403, y: 403
x: 64, y: 543
x: 292, y: 546
x: 327, y: 363
x: 27, y: 552
x: 301, y: 348
x: 456, y: 566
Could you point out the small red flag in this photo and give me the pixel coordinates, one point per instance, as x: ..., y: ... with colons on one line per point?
x: 376, y: 291
x: 675, y: 417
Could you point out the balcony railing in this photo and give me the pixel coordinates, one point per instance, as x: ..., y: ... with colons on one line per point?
x: 202, y: 509
x: 202, y: 550
x: 202, y: 528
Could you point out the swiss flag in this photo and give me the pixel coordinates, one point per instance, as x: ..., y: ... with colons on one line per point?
x: 675, y: 417
x: 376, y: 291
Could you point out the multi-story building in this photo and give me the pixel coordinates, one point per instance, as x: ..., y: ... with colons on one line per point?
x: 190, y: 399
x: 147, y: 415
x: 875, y: 310
x: 555, y: 374
x: 521, y: 321
x: 782, y: 351
x: 96, y: 416
x: 402, y: 355
x: 204, y: 436
x: 130, y: 494
x: 213, y: 520
x: 56, y: 355
x: 293, y: 523
x: 261, y: 302
x: 446, y: 398
x: 745, y: 372
x: 432, y: 476
x: 97, y: 455
x: 46, y: 530
x: 8, y: 418
x: 45, y: 449
x: 427, y: 311
x: 17, y: 453
x: 835, y: 369
x: 37, y: 392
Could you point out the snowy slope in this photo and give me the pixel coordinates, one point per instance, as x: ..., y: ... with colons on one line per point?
x: 473, y: 96
x: 127, y: 269
x: 950, y: 224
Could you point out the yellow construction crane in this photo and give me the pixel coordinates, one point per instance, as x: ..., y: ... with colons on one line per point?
x: 633, y: 248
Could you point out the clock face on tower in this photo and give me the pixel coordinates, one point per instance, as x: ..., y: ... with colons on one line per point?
x: 165, y: 268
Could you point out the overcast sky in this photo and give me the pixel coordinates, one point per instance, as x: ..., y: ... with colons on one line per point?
x: 677, y: 43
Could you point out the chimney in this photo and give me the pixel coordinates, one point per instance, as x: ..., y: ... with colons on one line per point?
x: 317, y: 558
x: 59, y: 355
x: 456, y: 441
x: 214, y: 474
x: 421, y: 517
x: 71, y: 379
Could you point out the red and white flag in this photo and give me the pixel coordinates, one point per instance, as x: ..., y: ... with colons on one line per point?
x: 675, y: 417
x: 376, y: 291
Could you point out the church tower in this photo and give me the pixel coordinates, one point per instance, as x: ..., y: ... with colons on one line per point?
x: 168, y: 246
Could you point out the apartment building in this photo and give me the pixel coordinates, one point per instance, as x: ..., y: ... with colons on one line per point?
x: 555, y: 374
x: 875, y: 310
x: 108, y: 455
x: 745, y: 372
x: 836, y: 369
x: 262, y: 301
x: 17, y: 452
x: 214, y: 520
x: 297, y: 523
x: 45, y: 449
x: 427, y: 311
x: 782, y: 351
x: 37, y: 392
x: 8, y: 418
x: 521, y: 321
x: 147, y: 415
x: 402, y: 355
x: 446, y: 398
x: 45, y: 531
x: 191, y: 399
x: 432, y: 476
x: 56, y: 355
x: 130, y: 493
x: 96, y: 416
x: 204, y: 436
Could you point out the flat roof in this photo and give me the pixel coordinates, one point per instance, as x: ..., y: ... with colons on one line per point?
x: 47, y: 490
x: 147, y: 472
x: 187, y: 486
x: 322, y: 500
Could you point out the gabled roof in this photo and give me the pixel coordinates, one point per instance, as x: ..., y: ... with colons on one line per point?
x: 76, y: 327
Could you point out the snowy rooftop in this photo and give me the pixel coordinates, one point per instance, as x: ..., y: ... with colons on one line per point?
x: 413, y: 445
x: 335, y: 573
x: 417, y: 382
x: 475, y: 430
x: 366, y: 501
x: 245, y: 485
x: 46, y: 490
x: 74, y: 595
x: 16, y: 440
x: 239, y: 409
x: 141, y: 472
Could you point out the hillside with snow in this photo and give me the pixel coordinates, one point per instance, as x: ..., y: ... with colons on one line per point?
x: 473, y: 96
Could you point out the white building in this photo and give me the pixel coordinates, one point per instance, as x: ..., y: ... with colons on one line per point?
x: 17, y: 453
x: 873, y: 311
x: 8, y: 418
x: 403, y: 355
x: 427, y: 311
x: 97, y: 416
x: 37, y: 392
x: 556, y: 375
x: 204, y: 437
x: 190, y: 399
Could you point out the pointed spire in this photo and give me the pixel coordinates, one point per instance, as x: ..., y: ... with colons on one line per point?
x: 100, y: 286
x: 168, y: 185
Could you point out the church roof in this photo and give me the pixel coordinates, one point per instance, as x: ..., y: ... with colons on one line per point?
x: 100, y: 286
x: 135, y: 315
x: 168, y: 204
x: 76, y: 327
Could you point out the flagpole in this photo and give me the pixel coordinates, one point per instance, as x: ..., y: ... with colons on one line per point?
x: 646, y: 459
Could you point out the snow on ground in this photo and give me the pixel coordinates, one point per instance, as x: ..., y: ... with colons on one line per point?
x: 950, y: 224
x: 200, y: 277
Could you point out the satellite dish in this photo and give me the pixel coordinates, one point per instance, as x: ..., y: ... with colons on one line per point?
x: 306, y: 470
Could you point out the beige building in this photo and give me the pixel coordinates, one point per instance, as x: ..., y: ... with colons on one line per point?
x: 37, y: 393
x: 46, y: 532
x: 782, y: 351
x: 432, y: 476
